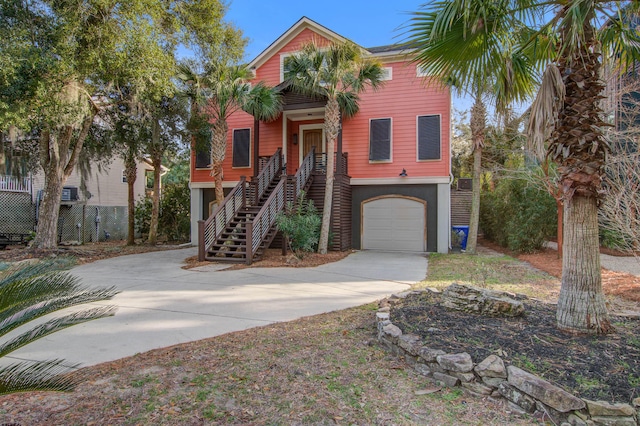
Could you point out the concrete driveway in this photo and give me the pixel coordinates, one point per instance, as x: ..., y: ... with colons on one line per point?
x: 161, y: 304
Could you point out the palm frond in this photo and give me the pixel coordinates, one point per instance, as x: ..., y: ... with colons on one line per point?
x: 39, y: 376
x: 54, y: 325
x: 544, y: 110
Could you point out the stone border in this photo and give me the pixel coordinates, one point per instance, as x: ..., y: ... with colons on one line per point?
x: 525, y: 393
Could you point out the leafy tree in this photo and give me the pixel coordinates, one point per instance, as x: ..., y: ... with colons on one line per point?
x: 64, y: 57
x: 339, y: 73
x: 471, y: 46
x: 28, y: 294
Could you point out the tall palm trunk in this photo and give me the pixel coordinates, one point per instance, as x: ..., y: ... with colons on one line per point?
x: 218, y: 153
x: 578, y: 145
x: 332, y: 127
x: 156, y: 162
x: 130, y: 171
x: 478, y: 131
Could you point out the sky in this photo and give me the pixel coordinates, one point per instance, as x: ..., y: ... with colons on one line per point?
x: 367, y: 23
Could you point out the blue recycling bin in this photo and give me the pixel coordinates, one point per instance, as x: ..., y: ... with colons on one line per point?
x: 463, y: 233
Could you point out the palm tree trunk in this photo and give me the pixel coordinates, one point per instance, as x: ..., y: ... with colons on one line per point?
x: 218, y: 153
x: 478, y: 129
x: 156, y: 161
x: 131, y: 174
x: 332, y: 127
x: 581, y: 305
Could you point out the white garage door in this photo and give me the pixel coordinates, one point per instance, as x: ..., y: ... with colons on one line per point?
x: 394, y: 223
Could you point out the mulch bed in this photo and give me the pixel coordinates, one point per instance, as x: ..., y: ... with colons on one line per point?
x: 597, y: 368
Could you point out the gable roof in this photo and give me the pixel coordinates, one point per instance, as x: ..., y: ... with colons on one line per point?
x: 290, y: 34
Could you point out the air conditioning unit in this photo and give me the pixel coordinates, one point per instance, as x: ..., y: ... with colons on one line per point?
x: 69, y: 193
x: 465, y: 184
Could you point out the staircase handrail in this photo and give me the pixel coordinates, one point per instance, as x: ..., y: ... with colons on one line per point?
x: 259, y: 227
x: 211, y: 229
x: 266, y: 175
x: 15, y: 184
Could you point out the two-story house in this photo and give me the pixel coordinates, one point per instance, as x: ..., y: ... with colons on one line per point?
x: 392, y: 189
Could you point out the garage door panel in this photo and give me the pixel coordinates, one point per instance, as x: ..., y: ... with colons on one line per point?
x: 394, y: 223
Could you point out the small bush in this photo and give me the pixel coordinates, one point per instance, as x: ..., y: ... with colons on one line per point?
x: 174, y: 221
x: 300, y: 224
x: 518, y: 215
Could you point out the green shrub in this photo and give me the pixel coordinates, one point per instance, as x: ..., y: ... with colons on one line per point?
x: 518, y: 215
x: 174, y: 221
x: 300, y: 224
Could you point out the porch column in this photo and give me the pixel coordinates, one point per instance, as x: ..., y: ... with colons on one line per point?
x: 256, y: 146
x: 444, y: 215
x: 197, y: 201
x: 339, y: 153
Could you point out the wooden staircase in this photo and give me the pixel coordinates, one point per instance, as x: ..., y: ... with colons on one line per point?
x: 244, y: 224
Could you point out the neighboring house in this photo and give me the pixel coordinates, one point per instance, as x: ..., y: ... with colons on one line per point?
x: 393, y: 161
x: 91, y: 209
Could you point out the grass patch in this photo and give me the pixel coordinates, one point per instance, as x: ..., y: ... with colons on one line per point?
x: 497, y: 272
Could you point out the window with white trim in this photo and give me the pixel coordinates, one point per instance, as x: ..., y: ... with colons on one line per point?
x: 380, y: 139
x: 283, y: 58
x: 421, y: 71
x: 241, y: 148
x: 387, y: 74
x: 428, y: 137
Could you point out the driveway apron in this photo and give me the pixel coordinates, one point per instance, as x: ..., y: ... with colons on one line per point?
x: 161, y: 304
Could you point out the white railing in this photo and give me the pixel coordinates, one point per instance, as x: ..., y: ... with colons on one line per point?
x: 14, y: 184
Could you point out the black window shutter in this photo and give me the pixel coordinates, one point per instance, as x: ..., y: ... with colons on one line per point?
x: 429, y: 137
x: 241, y: 146
x: 380, y: 139
x: 203, y: 155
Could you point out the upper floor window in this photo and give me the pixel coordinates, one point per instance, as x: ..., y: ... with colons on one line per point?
x: 203, y: 155
x: 428, y: 137
x: 421, y: 71
x: 387, y: 73
x: 380, y: 139
x: 283, y: 65
x: 242, y: 148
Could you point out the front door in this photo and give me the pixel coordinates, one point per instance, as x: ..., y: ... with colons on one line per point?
x: 312, y: 138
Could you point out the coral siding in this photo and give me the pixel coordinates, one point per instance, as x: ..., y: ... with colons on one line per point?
x: 269, y: 72
x: 402, y: 99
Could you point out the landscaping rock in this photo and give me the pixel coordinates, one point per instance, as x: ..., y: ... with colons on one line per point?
x: 410, y: 343
x: 468, y: 298
x: 464, y: 377
x: 428, y: 354
x: 382, y: 316
x: 392, y: 331
x: 636, y: 402
x: 614, y: 421
x: 422, y: 369
x: 544, y: 391
x: 494, y: 382
x: 448, y: 380
x: 460, y: 363
x: 574, y: 420
x: 478, y: 388
x: 514, y: 395
x: 491, y: 366
x: 603, y: 408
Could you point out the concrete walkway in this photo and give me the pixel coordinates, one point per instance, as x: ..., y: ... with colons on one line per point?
x: 626, y: 264
x: 161, y: 304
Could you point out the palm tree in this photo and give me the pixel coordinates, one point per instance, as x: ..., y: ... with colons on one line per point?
x: 568, y: 110
x: 468, y: 46
x: 216, y: 94
x: 567, y: 38
x: 30, y: 293
x: 339, y: 73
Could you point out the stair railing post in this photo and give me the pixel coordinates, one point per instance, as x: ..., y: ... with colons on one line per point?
x: 249, y: 241
x: 201, y: 241
x: 243, y: 179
